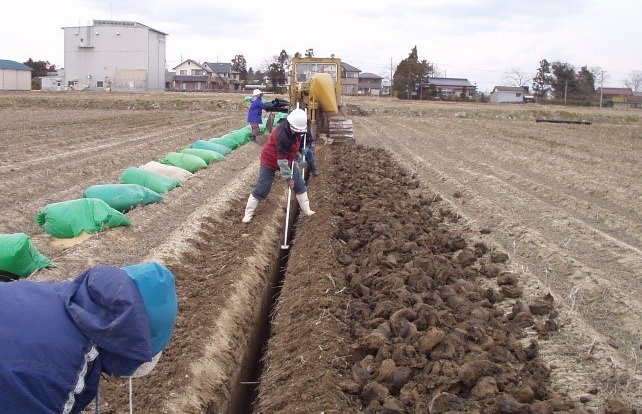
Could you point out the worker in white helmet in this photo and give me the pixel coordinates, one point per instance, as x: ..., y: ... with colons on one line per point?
x: 282, y: 153
x: 255, y: 112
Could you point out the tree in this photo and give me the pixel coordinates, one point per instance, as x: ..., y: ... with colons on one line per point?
x: 515, y: 77
x: 309, y: 53
x: 240, y: 65
x: 564, y: 84
x: 585, y: 83
x: 276, y: 70
x: 409, y: 75
x: 634, y: 80
x: 542, y: 80
x: 40, y: 68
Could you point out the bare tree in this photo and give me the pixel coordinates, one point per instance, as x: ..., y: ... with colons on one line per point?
x: 600, y: 76
x: 516, y: 77
x: 634, y: 80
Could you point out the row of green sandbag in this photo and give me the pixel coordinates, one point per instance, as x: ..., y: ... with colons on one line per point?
x: 103, y: 206
x: 19, y: 258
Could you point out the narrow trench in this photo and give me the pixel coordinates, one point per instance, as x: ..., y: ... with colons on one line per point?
x: 247, y: 393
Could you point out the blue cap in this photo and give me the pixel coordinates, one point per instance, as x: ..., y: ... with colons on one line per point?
x: 157, y: 287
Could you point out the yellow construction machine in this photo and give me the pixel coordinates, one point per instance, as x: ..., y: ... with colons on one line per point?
x: 315, y: 86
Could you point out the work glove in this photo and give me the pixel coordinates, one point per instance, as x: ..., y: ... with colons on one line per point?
x: 286, y: 171
x: 304, y: 152
x: 301, y: 162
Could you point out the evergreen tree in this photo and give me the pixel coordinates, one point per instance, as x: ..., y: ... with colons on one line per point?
x: 585, y: 83
x: 409, y: 75
x: 240, y: 65
x: 564, y: 84
x: 542, y: 80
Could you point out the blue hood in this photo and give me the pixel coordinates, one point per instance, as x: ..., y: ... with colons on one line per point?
x: 106, y: 306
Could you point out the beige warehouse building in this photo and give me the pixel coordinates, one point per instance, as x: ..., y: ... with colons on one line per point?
x: 115, y: 55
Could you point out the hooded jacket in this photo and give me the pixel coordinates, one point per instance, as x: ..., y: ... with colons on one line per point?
x: 57, y: 337
x: 256, y: 110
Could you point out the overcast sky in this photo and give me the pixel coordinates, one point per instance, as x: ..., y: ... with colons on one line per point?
x: 480, y: 40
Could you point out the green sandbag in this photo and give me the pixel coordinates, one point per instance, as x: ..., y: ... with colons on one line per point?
x: 207, y: 155
x: 278, y: 117
x: 188, y: 162
x: 150, y: 179
x: 203, y: 144
x: 18, y: 256
x: 123, y: 197
x: 228, y: 142
x: 241, y: 136
x: 69, y: 219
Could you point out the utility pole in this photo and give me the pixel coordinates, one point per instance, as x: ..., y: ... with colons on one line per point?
x: 601, y: 87
x: 565, y: 89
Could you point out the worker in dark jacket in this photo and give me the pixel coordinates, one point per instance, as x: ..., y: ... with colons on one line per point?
x: 309, y: 153
x: 56, y: 338
x: 282, y: 153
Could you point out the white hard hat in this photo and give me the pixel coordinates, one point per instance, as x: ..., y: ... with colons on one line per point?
x: 256, y: 92
x: 298, y: 120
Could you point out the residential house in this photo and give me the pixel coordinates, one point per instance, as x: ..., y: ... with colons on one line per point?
x: 14, y: 76
x: 223, y: 77
x: 349, y: 79
x: 369, y: 84
x: 508, y: 94
x: 447, y: 88
x: 115, y: 55
x: 191, y: 76
x: 619, y: 97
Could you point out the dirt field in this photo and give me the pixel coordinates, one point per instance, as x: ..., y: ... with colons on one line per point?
x: 463, y: 258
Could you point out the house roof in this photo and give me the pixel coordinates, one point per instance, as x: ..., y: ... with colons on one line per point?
x: 217, y: 67
x: 509, y: 89
x: 459, y: 82
x: 349, y: 68
x: 191, y: 61
x: 10, y: 64
x: 368, y: 75
x: 615, y: 91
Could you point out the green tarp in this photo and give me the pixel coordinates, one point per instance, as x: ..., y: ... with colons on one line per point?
x: 208, y: 156
x: 123, y: 197
x: 69, y: 219
x: 19, y: 257
x: 150, y: 179
x: 189, y: 162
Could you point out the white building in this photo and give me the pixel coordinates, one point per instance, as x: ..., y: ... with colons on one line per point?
x: 115, y: 55
x: 508, y: 94
x: 14, y: 76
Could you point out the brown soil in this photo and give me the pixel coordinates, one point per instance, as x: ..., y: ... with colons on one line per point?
x: 462, y: 258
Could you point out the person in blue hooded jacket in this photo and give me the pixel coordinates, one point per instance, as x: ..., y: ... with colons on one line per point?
x: 56, y: 338
x: 255, y: 112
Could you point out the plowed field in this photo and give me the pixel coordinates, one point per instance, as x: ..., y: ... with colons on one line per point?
x: 462, y: 258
